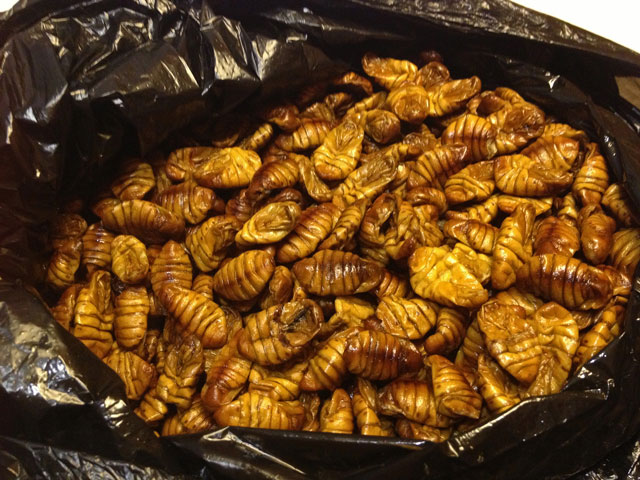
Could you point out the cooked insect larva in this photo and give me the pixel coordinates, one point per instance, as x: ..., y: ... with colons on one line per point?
x: 513, y: 296
x: 149, y: 222
x: 93, y: 319
x: 64, y: 263
x: 508, y: 203
x: 447, y: 277
x: 392, y: 284
x: 617, y: 201
x: 472, y: 347
x: 66, y: 226
x: 625, y: 251
x: 592, y: 178
x: 314, y: 225
x: 336, y: 415
x: 313, y: 184
x: 135, y: 180
x: 129, y: 259
x: 151, y: 409
x: 195, y: 314
x: 474, y: 182
x: 181, y: 370
x: 380, y: 356
x: 451, y: 325
x: 476, y: 234
x: 281, y: 173
x: 388, y: 72
x: 187, y: 200
x: 131, y: 310
x: 565, y: 280
x: 434, y: 166
x: 96, y: 247
x: 409, y: 102
x: 172, y: 266
x: 327, y: 368
x: 275, y: 335
x: 183, y: 162
x: 309, y: 134
x: 511, y: 339
x: 484, y: 212
x: 522, y: 176
x: 203, y: 284
x: 226, y: 377
x: 596, y: 233
x: 381, y: 125
x: 228, y: 168
x: 556, y: 235
x: 600, y: 335
x: 346, y: 227
x: 408, y: 429
x: 133, y: 370
x: 64, y: 310
x: 412, y: 399
x: 333, y: 272
x: 338, y: 155
x: 244, y: 277
x: 367, y: 419
x: 258, y: 139
x: 517, y: 124
x: 406, y: 318
x: 255, y: 410
x: 498, y: 390
x: 513, y: 247
x: 453, y: 395
x: 553, y: 152
x: 447, y: 97
x: 270, y: 224
x: 476, y: 133
x: 196, y: 418
x: 208, y: 241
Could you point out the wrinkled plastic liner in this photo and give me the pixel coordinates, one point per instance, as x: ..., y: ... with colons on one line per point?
x: 83, y: 84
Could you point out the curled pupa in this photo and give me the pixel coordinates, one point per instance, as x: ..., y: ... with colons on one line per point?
x: 434, y: 166
x: 93, y: 319
x: 133, y: 370
x: 275, y: 335
x: 149, y: 222
x: 63, y: 312
x: 406, y: 318
x: 131, y: 310
x: 413, y: 400
x: 521, y: 176
x: 476, y: 234
x: 196, y: 314
x: 134, y: 181
x: 327, y: 368
x: 410, y: 103
x: 228, y: 168
x: 208, y: 241
x: 453, y: 395
x: 336, y: 415
x: 187, y: 200
x: 473, y: 183
x: 447, y: 97
x: 96, y: 247
x: 513, y: 247
x: 388, y: 72
x: 339, y: 152
x: 66, y: 226
x: 255, y: 410
x: 245, y: 276
x: 270, y: 224
x: 333, y: 272
x: 129, y: 259
x: 508, y: 203
x: 181, y: 370
x: 310, y: 134
x: 281, y: 173
x: 617, y: 201
x: 556, y: 235
x: 451, y: 326
x: 596, y: 233
x: 478, y: 134
x: 568, y: 281
x: 499, y: 392
x: 258, y: 139
x: 599, y: 336
x: 416, y: 431
x: 172, y: 266
x: 64, y: 263
x: 625, y: 251
x: 378, y: 355
x: 592, y: 179
x: 182, y: 163
x: 511, y: 339
x: 553, y: 152
x: 346, y: 227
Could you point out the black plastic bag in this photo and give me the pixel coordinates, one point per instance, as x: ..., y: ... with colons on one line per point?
x: 83, y: 83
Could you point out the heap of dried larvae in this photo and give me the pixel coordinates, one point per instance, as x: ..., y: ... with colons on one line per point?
x: 404, y: 254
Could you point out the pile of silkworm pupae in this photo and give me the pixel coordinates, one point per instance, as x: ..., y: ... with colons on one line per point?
x: 392, y: 253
